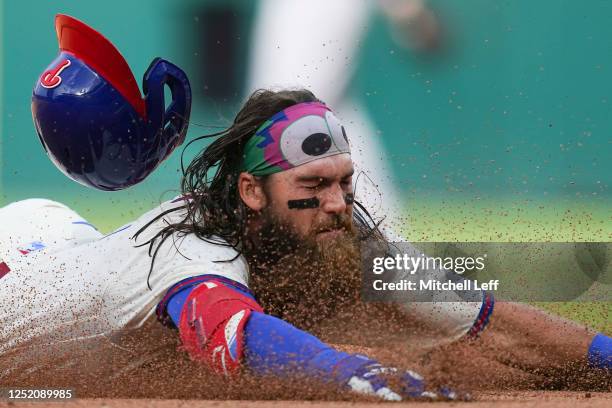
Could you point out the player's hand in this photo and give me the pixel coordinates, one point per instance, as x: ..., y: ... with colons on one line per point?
x: 372, y: 378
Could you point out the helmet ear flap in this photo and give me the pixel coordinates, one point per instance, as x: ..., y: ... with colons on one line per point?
x: 91, y: 118
x: 170, y: 124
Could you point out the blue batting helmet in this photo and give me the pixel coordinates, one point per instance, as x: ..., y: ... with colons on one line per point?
x: 91, y: 118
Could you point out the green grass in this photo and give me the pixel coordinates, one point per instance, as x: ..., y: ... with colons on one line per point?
x: 470, y: 220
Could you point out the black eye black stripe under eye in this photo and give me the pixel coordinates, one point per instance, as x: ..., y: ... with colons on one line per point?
x: 313, y: 202
x: 303, y: 203
x: 349, y: 198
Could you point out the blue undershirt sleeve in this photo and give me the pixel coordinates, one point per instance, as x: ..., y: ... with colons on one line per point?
x: 275, y: 347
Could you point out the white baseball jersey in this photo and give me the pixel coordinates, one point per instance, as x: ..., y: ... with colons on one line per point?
x: 61, y: 280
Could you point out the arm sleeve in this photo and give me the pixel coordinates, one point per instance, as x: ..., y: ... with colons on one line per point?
x: 271, y: 346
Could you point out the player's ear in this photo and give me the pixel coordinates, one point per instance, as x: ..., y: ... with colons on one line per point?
x: 251, y: 191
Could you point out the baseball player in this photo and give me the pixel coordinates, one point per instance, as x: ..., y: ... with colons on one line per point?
x: 218, y: 265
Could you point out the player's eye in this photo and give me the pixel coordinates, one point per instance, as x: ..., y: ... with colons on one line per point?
x: 313, y: 185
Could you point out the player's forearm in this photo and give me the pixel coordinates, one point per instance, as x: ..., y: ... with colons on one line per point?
x: 532, y: 338
x: 275, y: 347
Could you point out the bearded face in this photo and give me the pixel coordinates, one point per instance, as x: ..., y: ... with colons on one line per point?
x: 304, y: 261
x: 302, y: 279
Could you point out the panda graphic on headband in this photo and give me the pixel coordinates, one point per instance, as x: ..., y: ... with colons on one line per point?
x: 295, y: 136
x: 313, y: 136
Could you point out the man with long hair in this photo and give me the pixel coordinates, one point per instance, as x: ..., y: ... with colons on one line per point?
x: 259, y: 252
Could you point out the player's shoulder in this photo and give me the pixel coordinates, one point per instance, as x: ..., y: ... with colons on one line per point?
x: 180, y: 249
x: 170, y: 210
x: 169, y: 213
x: 151, y: 222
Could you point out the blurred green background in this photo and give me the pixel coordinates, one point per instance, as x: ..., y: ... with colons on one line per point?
x: 504, y: 135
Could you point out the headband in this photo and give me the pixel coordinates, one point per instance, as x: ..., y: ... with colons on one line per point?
x: 294, y: 136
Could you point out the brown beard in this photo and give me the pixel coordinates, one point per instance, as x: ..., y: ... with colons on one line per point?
x: 303, y: 281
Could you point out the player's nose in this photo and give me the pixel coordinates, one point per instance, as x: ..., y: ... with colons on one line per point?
x: 334, y: 201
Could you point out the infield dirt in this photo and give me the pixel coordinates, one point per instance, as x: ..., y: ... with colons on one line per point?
x: 499, y: 400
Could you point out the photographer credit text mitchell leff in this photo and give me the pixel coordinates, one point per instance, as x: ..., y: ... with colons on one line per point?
x: 422, y: 263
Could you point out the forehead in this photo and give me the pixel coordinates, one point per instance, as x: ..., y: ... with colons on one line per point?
x: 337, y: 166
